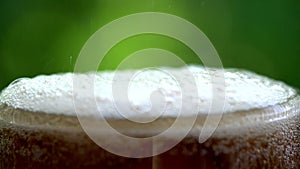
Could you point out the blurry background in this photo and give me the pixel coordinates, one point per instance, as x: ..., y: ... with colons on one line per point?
x: 45, y: 36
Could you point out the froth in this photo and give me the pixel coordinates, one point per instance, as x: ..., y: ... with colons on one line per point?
x: 55, y: 93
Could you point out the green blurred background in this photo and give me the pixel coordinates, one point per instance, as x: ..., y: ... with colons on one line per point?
x: 45, y: 36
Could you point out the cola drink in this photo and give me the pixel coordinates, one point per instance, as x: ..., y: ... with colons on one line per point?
x: 259, y: 127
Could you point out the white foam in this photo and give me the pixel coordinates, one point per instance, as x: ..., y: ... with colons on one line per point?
x: 54, y: 93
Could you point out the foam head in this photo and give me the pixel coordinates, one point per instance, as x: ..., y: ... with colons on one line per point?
x: 54, y: 94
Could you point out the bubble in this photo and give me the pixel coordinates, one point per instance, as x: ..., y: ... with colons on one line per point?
x: 18, y: 81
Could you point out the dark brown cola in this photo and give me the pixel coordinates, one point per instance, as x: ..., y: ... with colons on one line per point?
x: 259, y: 138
